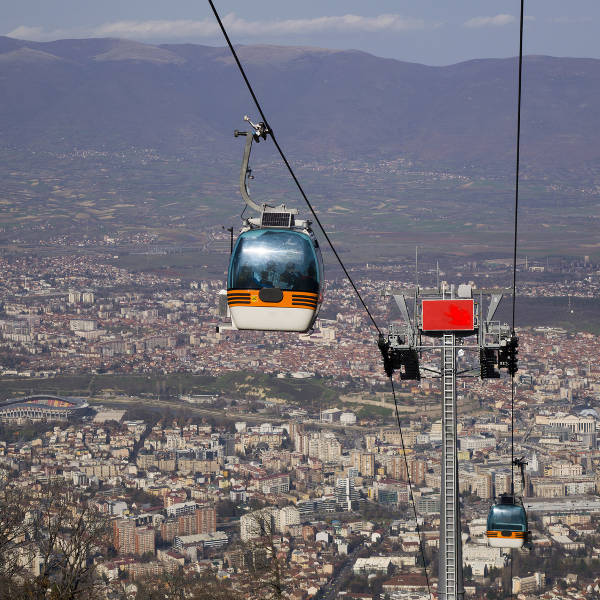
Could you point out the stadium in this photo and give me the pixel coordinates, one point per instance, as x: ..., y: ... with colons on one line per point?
x: 42, y: 407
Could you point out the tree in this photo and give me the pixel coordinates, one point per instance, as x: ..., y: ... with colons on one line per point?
x: 468, y: 573
x: 14, y: 548
x: 207, y: 587
x: 178, y: 585
x: 49, y: 556
x: 264, y: 558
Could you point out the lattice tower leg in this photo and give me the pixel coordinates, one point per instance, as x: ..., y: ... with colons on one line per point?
x: 451, y: 585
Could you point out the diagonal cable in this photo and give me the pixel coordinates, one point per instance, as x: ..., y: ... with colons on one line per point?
x: 515, y: 241
x: 412, y: 498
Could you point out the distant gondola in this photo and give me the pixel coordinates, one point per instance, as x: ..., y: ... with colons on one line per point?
x: 507, y: 523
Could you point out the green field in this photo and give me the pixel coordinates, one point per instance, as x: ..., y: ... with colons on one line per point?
x: 306, y: 392
x: 373, y: 213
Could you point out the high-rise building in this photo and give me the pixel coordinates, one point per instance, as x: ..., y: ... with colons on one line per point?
x: 202, y: 520
x: 364, y: 462
x: 286, y: 517
x: 367, y: 464
x: 124, y: 535
x: 502, y: 483
x: 481, y: 485
x: 324, y: 446
x: 345, y: 493
x: 144, y: 540
x: 74, y: 297
x: 88, y: 297
x: 300, y: 439
x: 418, y: 468
x: 129, y: 539
x: 186, y: 524
x: 397, y: 468
x: 169, y: 529
x: 206, y: 519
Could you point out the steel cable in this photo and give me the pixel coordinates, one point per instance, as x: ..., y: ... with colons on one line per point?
x: 408, y: 478
x: 515, y: 241
x: 514, y: 273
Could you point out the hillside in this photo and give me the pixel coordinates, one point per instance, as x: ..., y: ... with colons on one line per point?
x: 114, y: 94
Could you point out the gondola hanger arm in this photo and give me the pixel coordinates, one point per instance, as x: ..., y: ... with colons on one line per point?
x: 246, y: 171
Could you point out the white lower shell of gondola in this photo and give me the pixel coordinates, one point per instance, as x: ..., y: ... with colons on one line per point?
x: 505, y: 542
x: 266, y: 318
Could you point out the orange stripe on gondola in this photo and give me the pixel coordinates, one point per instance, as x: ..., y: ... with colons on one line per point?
x: 520, y: 535
x: 305, y: 300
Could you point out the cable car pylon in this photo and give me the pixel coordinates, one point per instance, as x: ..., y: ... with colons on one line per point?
x: 443, y: 319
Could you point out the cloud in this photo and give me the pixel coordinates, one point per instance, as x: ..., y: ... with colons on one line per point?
x: 24, y: 32
x: 497, y: 21
x: 158, y: 29
x: 208, y: 28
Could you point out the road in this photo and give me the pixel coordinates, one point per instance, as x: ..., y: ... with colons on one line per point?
x: 213, y: 412
x: 334, y: 586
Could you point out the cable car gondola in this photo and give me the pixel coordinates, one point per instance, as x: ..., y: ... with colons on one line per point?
x: 507, y: 520
x: 274, y: 280
x: 507, y: 523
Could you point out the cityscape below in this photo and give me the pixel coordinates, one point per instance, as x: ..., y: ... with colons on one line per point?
x: 237, y: 457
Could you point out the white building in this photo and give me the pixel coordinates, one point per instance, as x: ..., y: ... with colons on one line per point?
x: 286, y: 517
x: 258, y: 523
x: 345, y: 492
x: 331, y: 415
x: 82, y: 325
x: 481, y: 558
x: 323, y: 536
x: 476, y: 442
x: 181, y: 508
x: 374, y: 564
x: 347, y: 418
x: 527, y: 585
x: 573, y: 423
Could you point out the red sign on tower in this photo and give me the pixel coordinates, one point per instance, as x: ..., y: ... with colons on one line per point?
x: 448, y: 315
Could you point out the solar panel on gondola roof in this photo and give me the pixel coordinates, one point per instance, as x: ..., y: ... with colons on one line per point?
x: 277, y: 219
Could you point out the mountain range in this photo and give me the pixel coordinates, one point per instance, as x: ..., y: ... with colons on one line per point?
x: 324, y: 104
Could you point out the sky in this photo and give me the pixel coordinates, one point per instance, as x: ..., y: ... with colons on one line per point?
x: 433, y: 32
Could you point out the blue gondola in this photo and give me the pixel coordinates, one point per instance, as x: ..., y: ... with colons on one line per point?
x: 274, y: 280
x: 507, y: 523
x: 275, y: 274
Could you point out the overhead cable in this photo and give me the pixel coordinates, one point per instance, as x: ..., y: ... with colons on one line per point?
x: 318, y: 221
x: 515, y: 242
x: 408, y: 478
x: 514, y: 282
